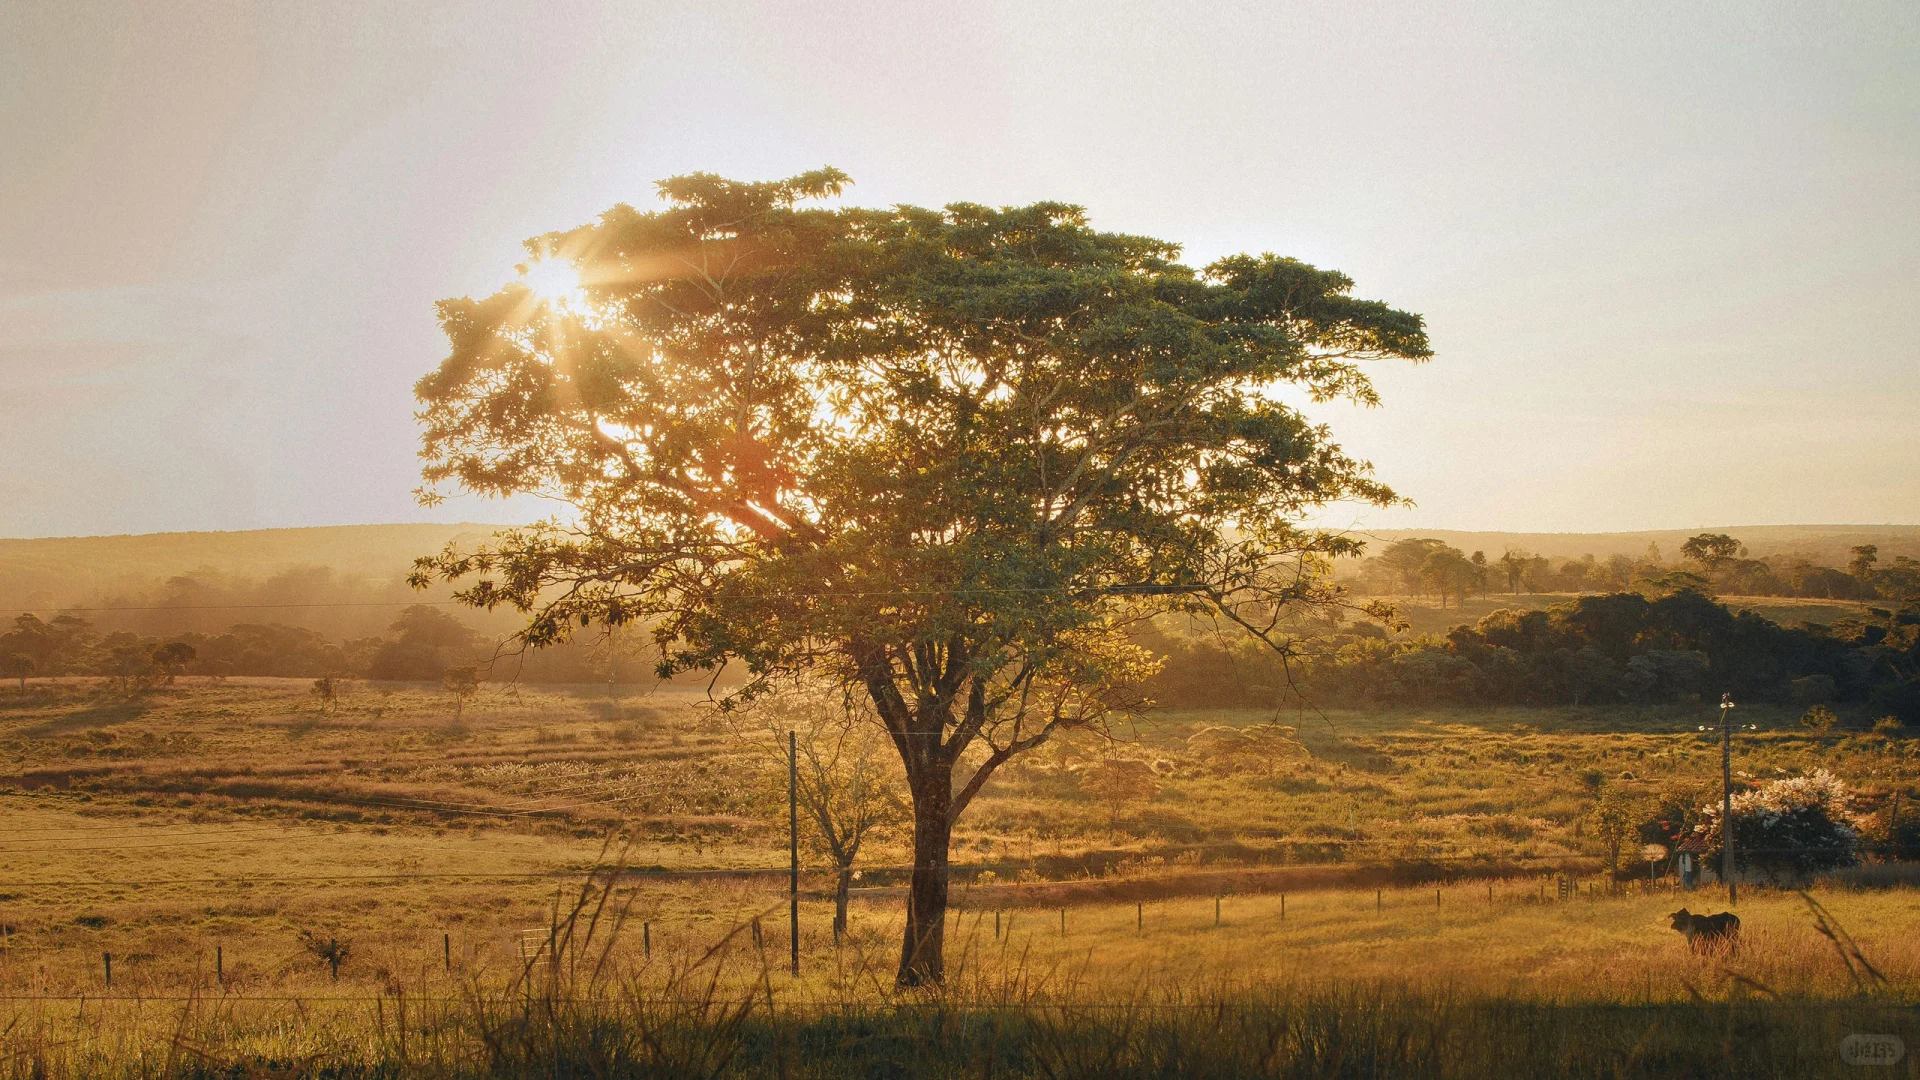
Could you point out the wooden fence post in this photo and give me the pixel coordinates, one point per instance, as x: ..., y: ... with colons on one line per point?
x: 1283, y: 907
x: 1063, y: 922
x: 1139, y: 916
x: 219, y: 965
x: 107, y: 959
x: 1216, y: 909
x: 446, y: 951
x: 1376, y: 900
x: 646, y: 938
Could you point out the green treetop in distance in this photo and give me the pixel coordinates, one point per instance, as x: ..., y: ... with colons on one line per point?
x: 946, y: 457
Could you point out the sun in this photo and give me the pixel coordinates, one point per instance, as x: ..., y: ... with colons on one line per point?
x: 554, y: 281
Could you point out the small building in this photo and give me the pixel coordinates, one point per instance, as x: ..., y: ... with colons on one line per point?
x: 1689, y: 860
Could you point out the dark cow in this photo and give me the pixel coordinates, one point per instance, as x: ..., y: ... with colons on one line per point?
x: 1706, y: 932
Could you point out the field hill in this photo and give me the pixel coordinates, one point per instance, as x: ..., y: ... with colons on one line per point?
x: 47, y: 574
x: 66, y: 569
x: 343, y: 580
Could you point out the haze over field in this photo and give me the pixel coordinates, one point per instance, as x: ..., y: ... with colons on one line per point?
x: 48, y: 574
x: 1666, y: 255
x: 710, y: 537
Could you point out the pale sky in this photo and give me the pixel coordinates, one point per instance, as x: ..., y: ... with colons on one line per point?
x: 1669, y: 254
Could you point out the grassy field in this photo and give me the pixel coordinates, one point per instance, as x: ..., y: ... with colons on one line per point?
x: 203, y: 834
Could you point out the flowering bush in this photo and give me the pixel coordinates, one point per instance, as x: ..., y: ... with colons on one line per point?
x: 1787, y: 828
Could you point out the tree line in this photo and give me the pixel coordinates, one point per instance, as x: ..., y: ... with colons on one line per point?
x: 1606, y: 648
x: 421, y: 645
x: 1709, y: 562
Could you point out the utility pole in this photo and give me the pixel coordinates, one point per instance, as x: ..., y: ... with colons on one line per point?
x: 793, y: 846
x: 1726, y: 798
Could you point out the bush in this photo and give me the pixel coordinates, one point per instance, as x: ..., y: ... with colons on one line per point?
x: 1259, y: 749
x: 1819, y: 720
x: 1787, y: 828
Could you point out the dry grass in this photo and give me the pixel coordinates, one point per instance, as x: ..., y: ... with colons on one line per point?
x: 1579, y: 988
x: 234, y: 817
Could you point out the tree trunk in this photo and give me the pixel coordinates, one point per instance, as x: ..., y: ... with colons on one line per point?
x: 922, y: 959
x: 844, y: 883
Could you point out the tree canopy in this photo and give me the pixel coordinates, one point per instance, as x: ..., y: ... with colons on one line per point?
x: 945, y: 456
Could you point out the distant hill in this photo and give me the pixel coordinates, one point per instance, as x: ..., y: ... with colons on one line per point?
x: 60, y: 569
x: 348, y: 580
x: 1828, y: 545
x: 342, y: 580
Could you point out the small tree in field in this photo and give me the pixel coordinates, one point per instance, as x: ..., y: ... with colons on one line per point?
x: 1615, y: 824
x: 325, y: 693
x: 946, y: 459
x: 17, y: 665
x: 171, y: 659
x: 462, y: 682
x: 1119, y: 783
x: 844, y: 786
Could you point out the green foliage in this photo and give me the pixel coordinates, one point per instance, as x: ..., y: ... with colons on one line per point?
x: 1819, y: 720
x: 427, y: 643
x: 17, y: 665
x: 1591, y: 650
x: 326, y: 693
x: 946, y: 456
x: 844, y: 790
x: 1119, y: 783
x: 56, y: 647
x: 1713, y: 551
x: 1673, y: 813
x: 170, y: 659
x: 1614, y: 824
x: 462, y: 681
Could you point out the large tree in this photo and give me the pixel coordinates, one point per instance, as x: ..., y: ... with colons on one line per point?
x: 947, y: 457
x: 1713, y: 551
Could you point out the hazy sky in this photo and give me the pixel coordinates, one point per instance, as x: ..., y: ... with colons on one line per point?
x: 1669, y: 254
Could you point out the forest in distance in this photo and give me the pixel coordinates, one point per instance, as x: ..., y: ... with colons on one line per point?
x: 1576, y: 630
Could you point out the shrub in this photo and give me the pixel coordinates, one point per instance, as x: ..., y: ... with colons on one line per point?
x: 1787, y: 828
x: 1819, y: 720
x: 1259, y: 749
x: 1118, y: 782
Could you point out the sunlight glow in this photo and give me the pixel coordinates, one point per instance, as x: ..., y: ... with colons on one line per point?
x: 554, y: 281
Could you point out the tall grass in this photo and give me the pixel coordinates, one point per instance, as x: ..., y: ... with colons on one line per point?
x: 581, y: 1004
